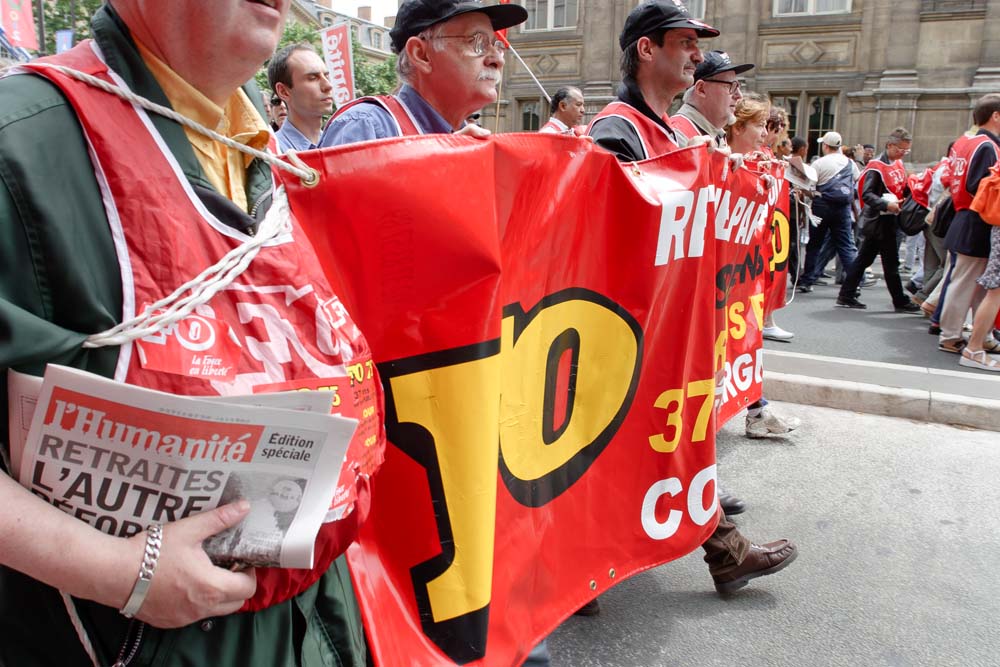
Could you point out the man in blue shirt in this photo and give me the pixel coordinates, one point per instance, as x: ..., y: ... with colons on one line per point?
x: 450, y: 62
x: 298, y: 76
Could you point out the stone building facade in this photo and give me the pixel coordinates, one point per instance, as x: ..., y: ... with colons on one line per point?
x: 860, y: 67
x: 372, y: 37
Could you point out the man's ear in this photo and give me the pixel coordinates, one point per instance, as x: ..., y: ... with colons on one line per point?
x: 418, y: 51
x: 283, y: 91
x: 644, y: 48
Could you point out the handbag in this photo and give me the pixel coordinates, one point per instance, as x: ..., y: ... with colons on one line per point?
x: 943, y: 212
x: 912, y: 217
x: 987, y: 200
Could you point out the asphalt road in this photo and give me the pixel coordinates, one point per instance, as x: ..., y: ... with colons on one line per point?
x: 897, y: 557
x: 875, y: 334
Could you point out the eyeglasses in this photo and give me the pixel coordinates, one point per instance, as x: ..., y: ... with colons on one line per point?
x: 479, y: 41
x: 733, y: 85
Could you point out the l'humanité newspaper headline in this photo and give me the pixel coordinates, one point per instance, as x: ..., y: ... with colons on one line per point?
x: 121, y: 457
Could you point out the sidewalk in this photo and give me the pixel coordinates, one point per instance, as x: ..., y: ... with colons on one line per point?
x: 895, y: 390
x: 895, y: 565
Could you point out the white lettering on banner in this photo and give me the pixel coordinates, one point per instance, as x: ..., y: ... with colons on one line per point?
x: 739, y: 375
x: 700, y: 515
x: 281, y: 338
x: 339, y: 62
x: 686, y: 213
x: 680, y: 211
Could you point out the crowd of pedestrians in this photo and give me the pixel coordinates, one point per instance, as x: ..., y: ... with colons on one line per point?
x: 857, y: 206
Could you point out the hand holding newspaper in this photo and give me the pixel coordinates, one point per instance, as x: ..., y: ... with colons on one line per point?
x: 121, y: 457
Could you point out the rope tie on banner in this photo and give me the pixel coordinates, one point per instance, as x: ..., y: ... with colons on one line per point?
x: 199, y: 290
x: 304, y: 173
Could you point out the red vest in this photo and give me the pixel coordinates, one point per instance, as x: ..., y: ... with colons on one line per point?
x: 893, y: 177
x: 406, y: 125
x: 960, y: 158
x: 920, y: 185
x: 293, y: 331
x: 551, y: 127
x: 655, y: 140
x: 685, y: 126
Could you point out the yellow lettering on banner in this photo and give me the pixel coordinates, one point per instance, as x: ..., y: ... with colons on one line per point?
x: 672, y: 400
x: 706, y: 389
x: 453, y: 404
x: 459, y: 412
x: 780, y: 239
x: 720, y: 350
x: 607, y: 356
x: 757, y: 304
x: 738, y: 325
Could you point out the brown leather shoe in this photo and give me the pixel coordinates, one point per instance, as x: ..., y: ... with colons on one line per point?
x: 592, y: 608
x: 761, y: 561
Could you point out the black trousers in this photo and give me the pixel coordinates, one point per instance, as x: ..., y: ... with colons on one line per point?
x: 882, y: 243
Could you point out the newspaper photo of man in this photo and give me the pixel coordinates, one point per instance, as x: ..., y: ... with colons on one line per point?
x: 274, y: 500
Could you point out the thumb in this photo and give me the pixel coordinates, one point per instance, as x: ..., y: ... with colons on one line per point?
x: 215, y: 521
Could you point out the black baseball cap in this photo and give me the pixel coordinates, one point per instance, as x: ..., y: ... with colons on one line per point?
x: 717, y: 62
x: 655, y: 14
x: 415, y: 16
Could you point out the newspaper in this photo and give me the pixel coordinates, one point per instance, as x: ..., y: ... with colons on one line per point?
x: 120, y: 457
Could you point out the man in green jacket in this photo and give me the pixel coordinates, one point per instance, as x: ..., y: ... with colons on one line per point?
x: 60, y: 281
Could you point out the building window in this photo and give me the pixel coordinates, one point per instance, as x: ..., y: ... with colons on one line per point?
x: 808, y: 7
x: 531, y: 117
x: 822, y: 110
x: 948, y: 6
x: 550, y: 14
x: 376, y: 40
x: 790, y: 103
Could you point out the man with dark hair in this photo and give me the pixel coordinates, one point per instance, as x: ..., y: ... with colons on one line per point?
x: 299, y: 78
x: 567, y: 110
x: 881, y: 188
x: 449, y: 61
x: 867, y: 153
x: 709, y: 104
x: 660, y: 55
x: 968, y: 236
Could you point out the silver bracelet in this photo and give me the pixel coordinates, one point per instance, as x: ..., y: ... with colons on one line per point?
x: 154, y: 541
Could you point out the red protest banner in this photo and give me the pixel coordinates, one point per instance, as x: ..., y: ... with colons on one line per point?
x: 752, y: 236
x: 338, y: 52
x: 544, y: 323
x: 17, y: 21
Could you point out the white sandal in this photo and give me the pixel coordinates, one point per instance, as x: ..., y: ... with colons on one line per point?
x: 979, y: 359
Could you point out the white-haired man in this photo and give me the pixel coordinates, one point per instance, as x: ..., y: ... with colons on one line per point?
x: 450, y: 61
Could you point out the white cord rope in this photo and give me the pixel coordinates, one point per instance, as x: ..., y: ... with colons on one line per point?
x: 308, y: 176
x: 81, y: 632
x: 203, y: 287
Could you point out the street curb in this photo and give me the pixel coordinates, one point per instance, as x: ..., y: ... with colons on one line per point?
x: 908, y: 403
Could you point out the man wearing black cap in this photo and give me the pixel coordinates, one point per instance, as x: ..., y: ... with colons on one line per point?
x: 659, y: 55
x: 450, y: 61
x: 710, y: 102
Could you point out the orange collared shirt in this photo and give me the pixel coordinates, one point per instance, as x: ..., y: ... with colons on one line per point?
x: 224, y: 167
